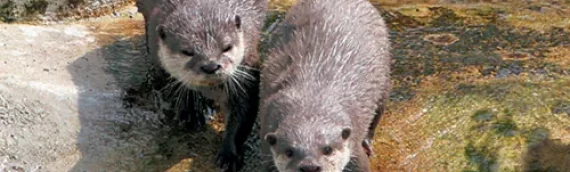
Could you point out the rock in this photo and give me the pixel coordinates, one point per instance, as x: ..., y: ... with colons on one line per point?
x: 562, y: 108
x: 503, y: 73
x: 53, y: 10
x: 547, y: 10
x: 444, y: 39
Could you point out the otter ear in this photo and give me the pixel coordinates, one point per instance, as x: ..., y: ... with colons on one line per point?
x: 346, y: 133
x: 237, y: 21
x: 271, y: 138
x: 161, y: 32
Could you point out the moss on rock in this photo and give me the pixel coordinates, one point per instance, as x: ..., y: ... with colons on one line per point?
x: 8, y: 11
x: 54, y: 10
x: 35, y: 7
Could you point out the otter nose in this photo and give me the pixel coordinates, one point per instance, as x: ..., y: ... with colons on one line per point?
x: 310, y: 168
x: 210, y: 68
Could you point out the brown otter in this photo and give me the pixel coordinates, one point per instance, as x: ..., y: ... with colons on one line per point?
x: 210, y: 46
x: 323, y: 86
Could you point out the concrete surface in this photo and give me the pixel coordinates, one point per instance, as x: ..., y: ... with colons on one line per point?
x: 60, y: 100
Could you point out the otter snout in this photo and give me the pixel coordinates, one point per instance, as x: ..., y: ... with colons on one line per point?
x: 310, y: 168
x: 210, y: 68
x: 309, y: 165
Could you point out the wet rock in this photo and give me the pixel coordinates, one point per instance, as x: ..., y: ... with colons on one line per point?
x: 483, y: 115
x: 540, y: 72
x: 543, y: 9
x: 516, y: 56
x: 444, y: 39
x: 562, y: 108
x: 487, y: 70
x: 503, y: 73
x: 53, y: 10
x: 511, y: 70
x: 547, y: 10
x: 534, y: 8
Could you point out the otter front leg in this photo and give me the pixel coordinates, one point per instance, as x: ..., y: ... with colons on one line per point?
x: 367, y: 142
x: 359, y: 161
x: 228, y: 158
x: 362, y: 161
x: 190, y: 110
x: 242, y: 108
x: 238, y: 126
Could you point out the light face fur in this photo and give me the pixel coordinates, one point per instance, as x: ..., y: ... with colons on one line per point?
x: 303, y: 146
x: 186, y: 69
x: 183, y: 51
x: 313, y: 132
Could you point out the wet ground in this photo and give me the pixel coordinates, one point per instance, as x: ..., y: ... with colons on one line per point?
x: 478, y: 86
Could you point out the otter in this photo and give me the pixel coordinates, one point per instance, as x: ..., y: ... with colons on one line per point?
x: 210, y: 46
x: 323, y: 86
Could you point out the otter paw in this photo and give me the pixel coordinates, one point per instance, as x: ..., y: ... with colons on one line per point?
x: 196, y: 122
x: 191, y: 120
x: 367, y: 145
x: 228, y: 160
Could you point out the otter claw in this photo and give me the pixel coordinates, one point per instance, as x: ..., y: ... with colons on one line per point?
x: 367, y: 145
x: 227, y: 161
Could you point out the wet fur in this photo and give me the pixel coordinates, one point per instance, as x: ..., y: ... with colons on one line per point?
x: 237, y: 89
x: 329, y: 69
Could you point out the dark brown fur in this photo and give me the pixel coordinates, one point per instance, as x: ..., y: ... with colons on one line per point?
x: 329, y: 71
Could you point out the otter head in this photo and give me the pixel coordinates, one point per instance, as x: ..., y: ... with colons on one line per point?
x: 201, y: 51
x: 313, y: 136
x: 318, y: 149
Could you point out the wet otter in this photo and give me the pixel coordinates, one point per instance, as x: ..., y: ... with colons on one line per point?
x: 210, y: 46
x: 323, y: 86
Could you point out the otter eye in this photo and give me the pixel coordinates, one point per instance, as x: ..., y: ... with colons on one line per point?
x: 271, y: 139
x: 161, y: 33
x: 227, y: 48
x: 346, y: 133
x: 327, y: 150
x: 188, y: 53
x: 289, y: 153
x: 237, y: 20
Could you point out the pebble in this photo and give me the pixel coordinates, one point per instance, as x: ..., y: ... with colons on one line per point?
x: 503, y: 73
x: 18, y: 168
x: 547, y: 10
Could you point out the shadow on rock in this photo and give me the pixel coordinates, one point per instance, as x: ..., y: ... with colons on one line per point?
x: 546, y: 154
x: 126, y: 125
